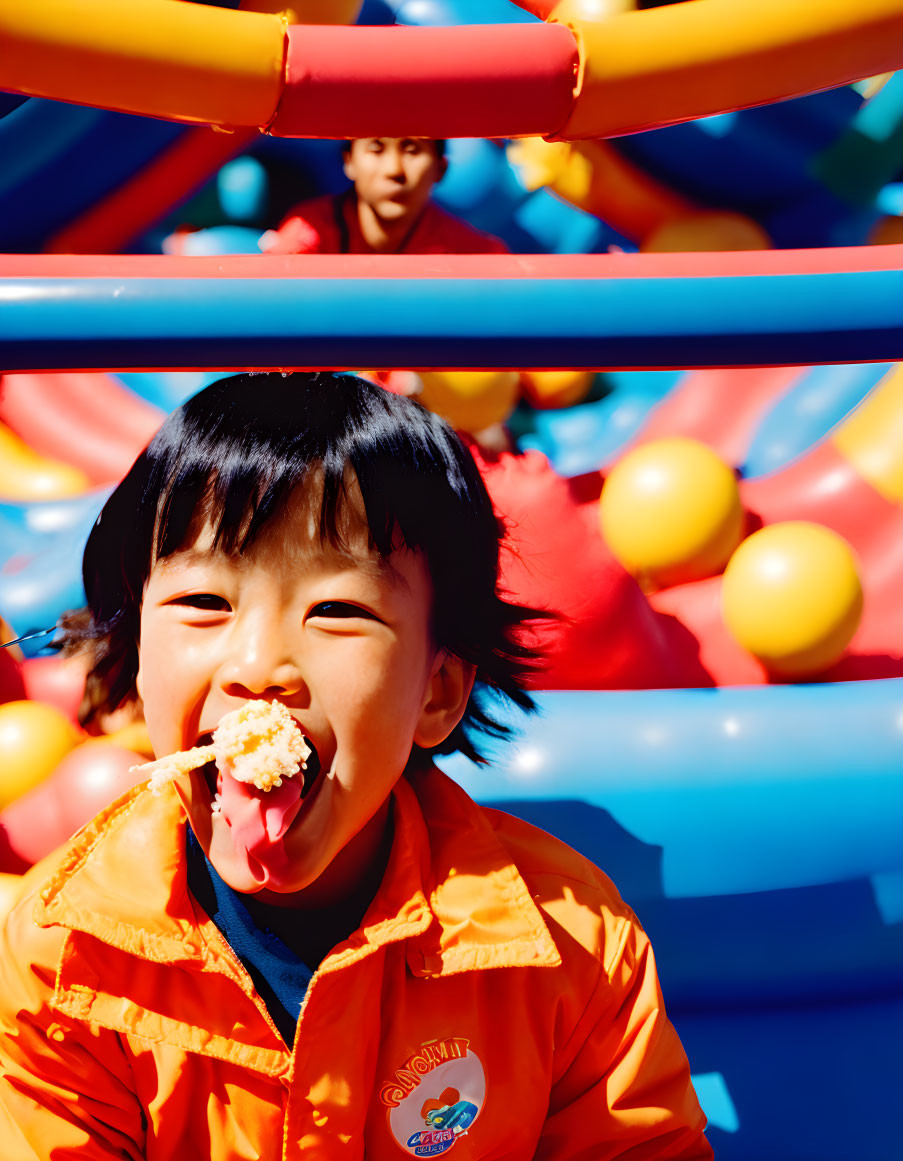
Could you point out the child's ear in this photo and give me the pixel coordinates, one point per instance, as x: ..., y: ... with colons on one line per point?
x: 447, y: 696
x: 348, y: 167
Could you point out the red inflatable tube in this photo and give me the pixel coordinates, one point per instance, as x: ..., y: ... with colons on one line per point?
x: 490, y: 80
x: 696, y: 265
x: 721, y: 408
x: 85, y: 418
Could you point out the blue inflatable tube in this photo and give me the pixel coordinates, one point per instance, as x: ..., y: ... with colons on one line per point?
x: 50, y: 324
x: 743, y: 789
x: 807, y: 412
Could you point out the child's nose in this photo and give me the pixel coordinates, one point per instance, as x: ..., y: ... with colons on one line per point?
x: 394, y: 163
x: 261, y: 669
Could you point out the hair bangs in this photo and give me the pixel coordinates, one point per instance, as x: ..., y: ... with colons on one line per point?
x: 227, y: 465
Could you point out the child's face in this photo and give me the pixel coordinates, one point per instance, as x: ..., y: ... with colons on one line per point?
x: 394, y: 175
x: 343, y: 641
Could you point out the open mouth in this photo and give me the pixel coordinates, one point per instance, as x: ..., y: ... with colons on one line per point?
x: 309, y: 773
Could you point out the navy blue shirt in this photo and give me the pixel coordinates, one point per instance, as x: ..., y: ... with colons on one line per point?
x: 280, y: 976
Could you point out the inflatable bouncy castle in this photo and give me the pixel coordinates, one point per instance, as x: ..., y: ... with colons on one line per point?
x: 695, y: 349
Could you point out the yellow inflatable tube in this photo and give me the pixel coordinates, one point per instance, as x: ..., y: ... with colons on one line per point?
x: 594, y: 177
x: 661, y: 66
x: 162, y: 58
x: 872, y: 438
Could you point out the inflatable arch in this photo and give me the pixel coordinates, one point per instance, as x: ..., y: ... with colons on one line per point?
x: 570, y: 76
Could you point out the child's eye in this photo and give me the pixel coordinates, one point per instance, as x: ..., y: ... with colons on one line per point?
x: 339, y: 609
x: 205, y: 601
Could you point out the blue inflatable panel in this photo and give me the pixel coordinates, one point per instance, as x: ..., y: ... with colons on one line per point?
x: 588, y: 436
x: 560, y: 228
x: 756, y: 832
x: 41, y: 548
x: 482, y: 187
x: 9, y: 102
x: 814, y: 1082
x: 24, y: 526
x: 762, y: 160
x: 51, y: 324
x: 818, y: 219
x: 807, y: 412
x: 167, y: 389
x: 743, y: 789
x: 39, y: 586
x: 59, y: 160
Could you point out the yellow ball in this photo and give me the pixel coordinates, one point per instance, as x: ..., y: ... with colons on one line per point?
x: 557, y: 388
x: 470, y: 400
x: 34, y: 739
x: 793, y: 598
x: 670, y: 512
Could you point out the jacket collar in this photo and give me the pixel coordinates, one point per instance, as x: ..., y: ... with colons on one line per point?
x: 483, y: 913
x: 123, y: 880
x: 450, y: 887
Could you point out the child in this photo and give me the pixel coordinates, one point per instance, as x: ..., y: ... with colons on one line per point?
x: 387, y: 211
x: 398, y: 972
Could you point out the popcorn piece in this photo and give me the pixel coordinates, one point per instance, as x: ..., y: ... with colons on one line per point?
x: 260, y: 743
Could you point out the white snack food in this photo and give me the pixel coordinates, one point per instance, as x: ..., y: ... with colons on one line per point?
x: 260, y: 742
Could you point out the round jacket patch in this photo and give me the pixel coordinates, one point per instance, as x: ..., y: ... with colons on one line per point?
x: 435, y: 1097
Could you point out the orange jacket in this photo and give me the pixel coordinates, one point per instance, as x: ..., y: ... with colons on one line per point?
x: 498, y: 1001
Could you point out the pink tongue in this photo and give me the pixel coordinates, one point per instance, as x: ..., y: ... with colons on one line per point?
x: 258, y: 818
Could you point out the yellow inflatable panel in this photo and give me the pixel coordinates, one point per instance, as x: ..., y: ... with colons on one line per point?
x: 162, y: 58
x: 592, y: 176
x: 872, y: 438
x: 671, y: 64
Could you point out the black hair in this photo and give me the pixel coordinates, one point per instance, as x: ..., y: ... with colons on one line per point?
x: 440, y: 143
x: 233, y: 454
